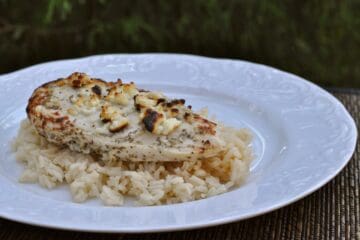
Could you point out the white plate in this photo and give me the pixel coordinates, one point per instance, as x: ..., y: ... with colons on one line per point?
x: 303, y: 138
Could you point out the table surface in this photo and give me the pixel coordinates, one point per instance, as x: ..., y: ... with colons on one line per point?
x: 330, y: 213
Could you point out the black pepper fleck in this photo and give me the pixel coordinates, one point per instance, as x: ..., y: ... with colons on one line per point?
x: 96, y: 89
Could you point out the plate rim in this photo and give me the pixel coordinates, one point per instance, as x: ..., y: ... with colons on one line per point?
x: 222, y: 220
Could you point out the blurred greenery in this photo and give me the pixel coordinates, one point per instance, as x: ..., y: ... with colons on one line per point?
x: 319, y: 40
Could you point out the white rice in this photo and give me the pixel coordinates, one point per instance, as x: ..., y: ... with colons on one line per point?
x: 150, y: 183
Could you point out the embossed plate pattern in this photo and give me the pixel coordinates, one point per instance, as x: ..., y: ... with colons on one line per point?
x: 303, y: 137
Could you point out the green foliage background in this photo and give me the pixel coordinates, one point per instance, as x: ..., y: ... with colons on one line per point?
x: 319, y: 40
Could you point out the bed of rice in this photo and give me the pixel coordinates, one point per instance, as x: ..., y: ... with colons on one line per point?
x: 150, y: 183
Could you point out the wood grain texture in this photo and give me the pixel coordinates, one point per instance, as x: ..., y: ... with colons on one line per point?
x: 330, y: 213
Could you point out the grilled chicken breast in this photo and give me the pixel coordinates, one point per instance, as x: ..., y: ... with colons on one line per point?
x: 116, y: 121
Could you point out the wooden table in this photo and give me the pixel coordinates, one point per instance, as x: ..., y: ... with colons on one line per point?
x: 330, y: 213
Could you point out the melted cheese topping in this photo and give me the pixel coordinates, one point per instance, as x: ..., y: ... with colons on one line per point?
x: 116, y: 102
x: 167, y: 126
